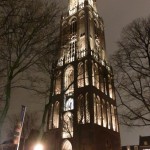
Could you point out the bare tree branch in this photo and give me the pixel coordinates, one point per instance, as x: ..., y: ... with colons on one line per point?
x: 132, y: 73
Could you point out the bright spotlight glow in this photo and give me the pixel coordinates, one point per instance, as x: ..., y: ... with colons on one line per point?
x: 38, y: 147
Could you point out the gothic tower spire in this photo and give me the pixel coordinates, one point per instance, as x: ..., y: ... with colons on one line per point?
x: 83, y: 114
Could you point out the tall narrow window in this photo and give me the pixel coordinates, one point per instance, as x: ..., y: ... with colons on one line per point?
x: 72, y: 50
x: 67, y: 145
x: 87, y: 108
x: 103, y: 54
x: 86, y: 74
x: 67, y: 125
x: 113, y: 117
x: 58, y: 83
x: 80, y: 75
x: 73, y: 27
x: 56, y: 115
x: 95, y: 75
x: 101, y: 82
x: 96, y: 25
x: 104, y: 114
x: 80, y: 111
x: 116, y: 119
x: 64, y: 34
x: 70, y: 54
x: 108, y: 116
x: 97, y: 110
x: 69, y: 79
x: 105, y: 85
x: 110, y: 87
x: 51, y: 117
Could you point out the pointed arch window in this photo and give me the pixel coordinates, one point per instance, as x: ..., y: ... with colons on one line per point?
x: 51, y: 117
x: 83, y: 111
x: 67, y: 125
x: 105, y: 85
x: 64, y: 34
x: 102, y: 86
x: 97, y: 110
x: 73, y: 27
x: 111, y: 94
x: 69, y: 79
x: 56, y: 115
x: 69, y: 104
x: 70, y: 53
x: 58, y: 83
x: 66, y: 145
x: 116, y: 120
x: 95, y: 75
x: 80, y: 75
x: 87, y: 108
x: 113, y: 118
x: 104, y: 114
x: 108, y: 116
x: 86, y: 73
x: 80, y: 111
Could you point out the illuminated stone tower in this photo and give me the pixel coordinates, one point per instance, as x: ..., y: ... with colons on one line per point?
x: 83, y: 113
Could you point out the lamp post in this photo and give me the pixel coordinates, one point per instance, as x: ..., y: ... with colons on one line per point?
x: 38, y: 146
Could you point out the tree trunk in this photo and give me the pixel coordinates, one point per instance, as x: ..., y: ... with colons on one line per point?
x: 6, y: 107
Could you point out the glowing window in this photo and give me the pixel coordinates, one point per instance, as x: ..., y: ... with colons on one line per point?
x: 69, y: 104
x: 86, y: 73
x: 113, y: 117
x: 50, y: 117
x: 95, y: 75
x: 73, y: 27
x: 69, y: 79
x: 104, y: 114
x: 108, y: 116
x: 87, y: 109
x: 97, y: 110
x: 111, y: 94
x: 80, y: 75
x: 83, y: 109
x: 58, y: 83
x: 66, y: 145
x: 56, y: 115
x: 67, y: 125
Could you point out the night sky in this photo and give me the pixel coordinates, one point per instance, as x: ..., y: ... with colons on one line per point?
x: 116, y: 14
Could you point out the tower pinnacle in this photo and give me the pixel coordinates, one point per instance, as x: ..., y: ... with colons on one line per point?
x: 75, y: 5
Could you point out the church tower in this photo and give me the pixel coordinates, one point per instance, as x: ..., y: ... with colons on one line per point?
x: 82, y: 113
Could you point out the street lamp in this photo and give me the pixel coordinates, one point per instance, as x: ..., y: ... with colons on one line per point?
x: 38, y: 146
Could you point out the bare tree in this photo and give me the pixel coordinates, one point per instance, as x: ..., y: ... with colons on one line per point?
x: 27, y: 31
x: 132, y: 73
